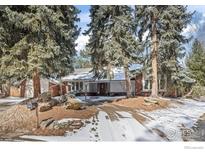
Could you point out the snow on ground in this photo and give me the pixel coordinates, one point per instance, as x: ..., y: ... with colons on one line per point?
x: 12, y: 100
x: 163, y: 122
x: 171, y: 120
x: 98, y: 98
x: 101, y: 128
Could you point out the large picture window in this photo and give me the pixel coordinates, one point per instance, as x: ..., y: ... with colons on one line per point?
x: 147, y: 83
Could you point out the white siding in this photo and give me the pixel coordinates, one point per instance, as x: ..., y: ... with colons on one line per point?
x: 119, y: 86
x: 92, y: 87
x: 29, y: 87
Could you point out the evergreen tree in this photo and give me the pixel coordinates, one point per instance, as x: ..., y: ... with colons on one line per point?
x: 164, y: 26
x: 112, y: 41
x: 196, y: 62
x: 83, y: 60
x: 38, y: 41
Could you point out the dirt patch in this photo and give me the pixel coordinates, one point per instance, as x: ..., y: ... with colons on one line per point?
x: 138, y: 103
x: 112, y: 111
x: 59, y: 112
x: 18, y: 120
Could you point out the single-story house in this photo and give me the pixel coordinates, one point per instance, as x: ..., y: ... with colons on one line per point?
x: 82, y: 81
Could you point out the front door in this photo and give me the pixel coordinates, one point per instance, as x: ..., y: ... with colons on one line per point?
x: 102, y: 88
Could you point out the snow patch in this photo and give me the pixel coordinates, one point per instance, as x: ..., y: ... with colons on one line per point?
x: 101, y: 128
x: 171, y: 120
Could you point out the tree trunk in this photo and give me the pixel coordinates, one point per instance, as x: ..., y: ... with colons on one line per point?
x: 61, y: 87
x: 36, y: 91
x: 36, y: 83
x: 127, y: 82
x: 109, y: 77
x: 154, y: 92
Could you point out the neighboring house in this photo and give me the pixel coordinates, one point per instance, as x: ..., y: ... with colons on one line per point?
x: 82, y: 81
x: 18, y: 89
x: 24, y: 88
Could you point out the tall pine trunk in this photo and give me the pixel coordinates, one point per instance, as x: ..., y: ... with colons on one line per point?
x: 154, y: 92
x: 36, y: 91
x: 61, y: 87
x: 127, y: 82
x: 109, y: 76
x: 36, y: 83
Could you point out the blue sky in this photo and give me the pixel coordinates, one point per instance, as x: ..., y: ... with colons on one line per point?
x: 84, y: 20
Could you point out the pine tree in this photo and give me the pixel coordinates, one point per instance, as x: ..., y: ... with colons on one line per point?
x: 164, y: 25
x: 39, y: 41
x: 112, y: 41
x: 196, y: 62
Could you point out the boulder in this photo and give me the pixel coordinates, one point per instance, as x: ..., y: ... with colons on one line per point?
x: 202, y: 98
x: 74, y: 106
x: 45, y: 97
x: 70, y: 96
x: 53, y: 102
x: 150, y: 101
x: 63, y: 99
x: 45, y: 108
x: 46, y: 122
x: 52, y: 125
x: 76, y: 124
x: 32, y: 104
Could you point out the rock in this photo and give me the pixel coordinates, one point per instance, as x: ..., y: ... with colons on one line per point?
x: 32, y: 104
x: 71, y: 96
x: 63, y: 99
x: 52, y: 125
x: 87, y: 122
x: 74, y: 106
x: 202, y: 98
x: 45, y: 97
x: 45, y: 108
x: 61, y: 125
x: 76, y: 124
x: 53, y: 102
x: 45, y: 123
x: 150, y: 101
x: 56, y: 126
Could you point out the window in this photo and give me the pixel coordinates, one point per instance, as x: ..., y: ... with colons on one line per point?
x: 147, y: 82
x: 77, y: 86
x: 162, y: 82
x: 147, y: 85
x: 81, y: 85
x: 73, y: 86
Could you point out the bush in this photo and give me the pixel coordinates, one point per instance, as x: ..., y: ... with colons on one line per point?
x: 198, y: 91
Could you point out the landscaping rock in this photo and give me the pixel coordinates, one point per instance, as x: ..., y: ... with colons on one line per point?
x: 76, y: 124
x: 150, y: 101
x: 45, y: 123
x: 52, y: 125
x: 32, y: 104
x: 63, y: 99
x: 45, y: 97
x: 45, y: 108
x: 56, y: 126
x: 74, y: 106
x: 202, y: 98
x: 53, y: 102
x: 71, y: 96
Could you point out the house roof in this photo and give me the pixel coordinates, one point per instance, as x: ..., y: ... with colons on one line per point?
x: 87, y: 74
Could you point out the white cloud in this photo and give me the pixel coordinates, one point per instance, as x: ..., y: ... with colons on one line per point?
x: 192, y: 28
x: 81, y: 42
